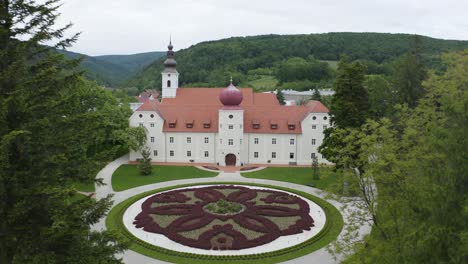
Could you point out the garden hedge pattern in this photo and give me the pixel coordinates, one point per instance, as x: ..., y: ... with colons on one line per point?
x: 193, y: 216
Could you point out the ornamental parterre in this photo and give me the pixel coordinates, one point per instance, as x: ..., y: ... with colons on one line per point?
x: 253, y: 216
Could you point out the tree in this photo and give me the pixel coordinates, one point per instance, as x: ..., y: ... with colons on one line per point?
x: 315, y: 169
x: 280, y: 97
x: 408, y: 73
x: 381, y: 96
x: 56, y: 129
x: 316, y: 95
x: 417, y: 163
x: 350, y: 103
x: 145, y: 163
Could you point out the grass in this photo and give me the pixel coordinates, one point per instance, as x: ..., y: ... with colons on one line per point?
x: 265, y: 83
x: 128, y: 176
x: 298, y: 175
x: 329, y: 233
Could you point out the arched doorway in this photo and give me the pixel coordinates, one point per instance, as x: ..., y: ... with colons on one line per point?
x: 231, y: 160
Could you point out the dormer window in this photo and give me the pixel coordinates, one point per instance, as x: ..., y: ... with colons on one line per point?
x: 189, y: 124
x: 172, y: 123
x: 291, y: 126
x: 255, y: 124
x: 168, y: 83
x: 206, y: 123
x: 273, y: 125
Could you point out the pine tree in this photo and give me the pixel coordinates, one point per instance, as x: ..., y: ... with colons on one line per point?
x: 145, y: 163
x: 315, y: 169
x: 316, y: 95
x: 350, y: 103
x: 56, y: 129
x: 280, y: 97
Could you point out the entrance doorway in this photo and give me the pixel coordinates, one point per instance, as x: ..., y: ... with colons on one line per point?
x: 231, y: 160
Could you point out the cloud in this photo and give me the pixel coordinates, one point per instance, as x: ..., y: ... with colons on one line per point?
x: 123, y: 27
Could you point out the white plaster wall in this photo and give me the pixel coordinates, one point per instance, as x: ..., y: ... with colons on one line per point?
x: 170, y: 92
x: 236, y: 134
x: 157, y: 132
x: 305, y: 139
x: 197, y: 147
x: 265, y: 148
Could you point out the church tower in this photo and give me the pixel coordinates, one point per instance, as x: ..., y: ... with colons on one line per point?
x: 170, y: 76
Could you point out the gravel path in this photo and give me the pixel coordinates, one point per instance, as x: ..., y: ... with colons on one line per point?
x: 319, y: 256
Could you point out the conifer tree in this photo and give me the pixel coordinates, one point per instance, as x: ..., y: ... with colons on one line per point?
x: 145, y: 163
x: 316, y: 95
x: 280, y: 97
x: 350, y: 103
x: 56, y: 129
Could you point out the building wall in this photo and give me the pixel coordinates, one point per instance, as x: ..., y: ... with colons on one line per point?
x: 173, y: 77
x: 244, y: 144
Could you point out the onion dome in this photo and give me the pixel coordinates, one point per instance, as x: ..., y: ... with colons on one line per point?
x: 170, y: 62
x: 231, y: 96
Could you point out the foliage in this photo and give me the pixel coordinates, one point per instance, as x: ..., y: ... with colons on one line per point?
x: 211, y: 63
x: 56, y: 129
x: 295, y: 69
x: 127, y: 176
x: 223, y: 207
x: 316, y: 95
x: 331, y: 230
x: 315, y: 169
x: 417, y: 163
x: 382, y: 97
x: 144, y: 165
x: 280, y: 97
x: 350, y: 103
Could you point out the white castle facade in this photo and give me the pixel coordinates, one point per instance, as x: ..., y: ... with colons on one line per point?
x: 228, y: 126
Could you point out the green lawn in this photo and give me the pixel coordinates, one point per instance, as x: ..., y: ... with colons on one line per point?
x: 127, y: 176
x: 298, y: 175
x: 265, y: 83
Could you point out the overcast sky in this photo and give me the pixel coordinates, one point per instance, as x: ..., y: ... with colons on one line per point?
x: 133, y: 26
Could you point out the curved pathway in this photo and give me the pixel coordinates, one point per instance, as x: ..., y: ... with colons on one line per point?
x: 319, y: 256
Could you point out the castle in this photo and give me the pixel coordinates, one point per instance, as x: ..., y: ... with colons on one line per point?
x: 227, y: 126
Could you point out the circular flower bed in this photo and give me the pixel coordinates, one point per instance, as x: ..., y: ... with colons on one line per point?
x: 224, y: 217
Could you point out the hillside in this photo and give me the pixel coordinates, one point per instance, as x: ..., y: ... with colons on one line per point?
x: 111, y: 70
x: 211, y: 63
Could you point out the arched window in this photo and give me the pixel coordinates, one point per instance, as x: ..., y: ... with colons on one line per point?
x: 168, y: 83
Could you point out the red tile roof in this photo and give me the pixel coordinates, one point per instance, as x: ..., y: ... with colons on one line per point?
x: 201, y: 105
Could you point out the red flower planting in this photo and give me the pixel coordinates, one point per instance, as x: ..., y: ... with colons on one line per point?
x: 259, y: 217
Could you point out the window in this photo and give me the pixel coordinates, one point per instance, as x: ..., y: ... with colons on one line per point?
x: 313, y: 141
x: 171, y: 153
x: 273, y: 141
x: 231, y: 141
x: 221, y: 141
x: 171, y: 140
x: 231, y: 116
x: 325, y: 126
x: 140, y: 115
x: 231, y: 126
x: 206, y: 140
x: 324, y: 118
x: 189, y: 140
x: 168, y: 83
x: 312, y: 155
x: 291, y: 141
x: 151, y: 124
x: 314, y: 126
x: 140, y: 124
x: 206, y: 154
x: 240, y: 141
x: 152, y: 139
x: 155, y: 152
x: 255, y: 154
x: 273, y: 155
x: 291, y: 155
x: 314, y: 117
x: 189, y: 153
x: 152, y: 116
x: 255, y: 140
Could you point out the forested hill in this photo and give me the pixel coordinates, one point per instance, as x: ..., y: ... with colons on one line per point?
x: 112, y: 70
x: 211, y: 63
